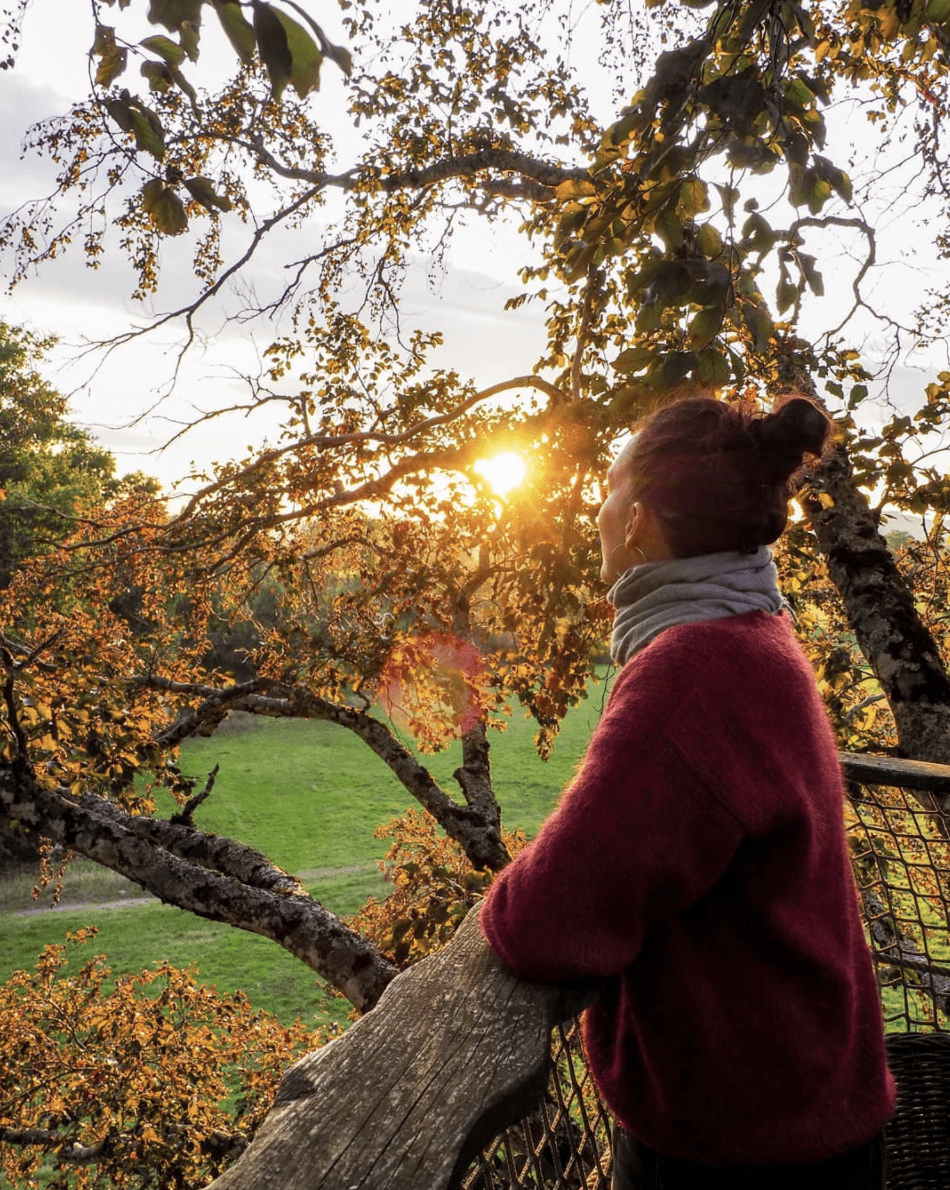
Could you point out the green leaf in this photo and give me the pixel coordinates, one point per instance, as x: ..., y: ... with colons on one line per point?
x: 169, y: 51
x: 164, y: 207
x: 306, y: 57
x: 569, y: 223
x: 709, y: 241
x: 712, y: 366
x: 649, y: 318
x: 575, y: 188
x: 757, y: 320
x: 237, y: 28
x: 670, y: 230
x: 633, y: 359
x: 676, y: 367
x: 785, y: 292
x: 202, y: 190
x: 184, y: 85
x: 111, y: 66
x: 272, y: 46
x: 105, y: 40
x: 736, y: 99
x: 857, y: 394
x: 114, y: 59
x: 121, y: 113
x: 800, y: 182
x: 704, y: 326
x: 670, y: 285
x: 619, y: 133
x: 189, y: 39
x: 133, y: 116
x: 818, y: 195
x: 836, y: 178
x: 579, y: 260
x: 158, y: 75
x: 173, y: 13
x: 814, y: 279
x: 798, y: 95
x: 172, y: 54
x: 148, y: 132
x: 709, y: 281
x: 751, y: 153
x: 693, y: 198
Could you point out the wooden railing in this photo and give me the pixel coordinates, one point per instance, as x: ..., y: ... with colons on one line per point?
x: 457, y: 1049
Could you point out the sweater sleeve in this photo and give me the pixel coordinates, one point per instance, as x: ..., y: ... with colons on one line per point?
x: 636, y: 838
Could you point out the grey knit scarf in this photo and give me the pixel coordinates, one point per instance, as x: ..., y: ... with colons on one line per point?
x: 656, y: 595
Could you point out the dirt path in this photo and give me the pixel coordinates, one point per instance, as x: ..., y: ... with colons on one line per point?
x: 67, y: 906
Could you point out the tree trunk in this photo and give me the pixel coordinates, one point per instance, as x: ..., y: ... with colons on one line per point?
x: 880, y: 608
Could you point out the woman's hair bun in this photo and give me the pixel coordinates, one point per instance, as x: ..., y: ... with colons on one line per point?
x: 797, y: 428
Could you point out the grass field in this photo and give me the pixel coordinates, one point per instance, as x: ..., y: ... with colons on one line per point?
x: 310, y: 796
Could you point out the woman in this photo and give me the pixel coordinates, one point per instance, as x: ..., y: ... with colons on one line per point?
x: 697, y: 865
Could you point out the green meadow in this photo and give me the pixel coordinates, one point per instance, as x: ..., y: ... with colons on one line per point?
x: 309, y: 795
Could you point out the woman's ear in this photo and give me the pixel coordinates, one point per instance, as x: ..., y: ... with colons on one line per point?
x: 634, y: 527
x: 645, y: 535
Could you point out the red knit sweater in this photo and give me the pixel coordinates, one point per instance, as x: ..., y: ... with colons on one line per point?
x: 698, y: 865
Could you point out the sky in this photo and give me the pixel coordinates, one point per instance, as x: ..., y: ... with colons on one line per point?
x: 110, y: 394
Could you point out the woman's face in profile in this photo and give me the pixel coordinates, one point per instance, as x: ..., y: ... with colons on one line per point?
x: 616, y: 516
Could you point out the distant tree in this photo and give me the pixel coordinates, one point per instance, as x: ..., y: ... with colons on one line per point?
x: 52, y: 475
x: 52, y: 472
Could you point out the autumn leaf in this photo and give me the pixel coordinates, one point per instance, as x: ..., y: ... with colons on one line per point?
x: 165, y: 208
x: 202, y: 190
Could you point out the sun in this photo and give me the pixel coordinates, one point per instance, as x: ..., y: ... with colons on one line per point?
x: 503, y: 471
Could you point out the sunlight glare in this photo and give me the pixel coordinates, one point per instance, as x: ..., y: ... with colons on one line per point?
x: 504, y: 471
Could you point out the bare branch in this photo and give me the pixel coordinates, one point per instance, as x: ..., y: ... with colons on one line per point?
x: 474, y: 826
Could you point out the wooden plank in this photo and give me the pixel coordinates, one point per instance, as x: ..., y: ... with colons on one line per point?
x: 891, y: 770
x: 456, y: 1049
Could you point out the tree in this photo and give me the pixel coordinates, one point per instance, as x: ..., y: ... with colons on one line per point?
x: 50, y: 469
x: 52, y: 474
x: 678, y: 244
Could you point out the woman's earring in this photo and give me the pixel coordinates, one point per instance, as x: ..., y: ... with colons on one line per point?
x: 622, y: 545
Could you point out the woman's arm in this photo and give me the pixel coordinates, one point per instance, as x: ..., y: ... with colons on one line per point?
x: 636, y: 838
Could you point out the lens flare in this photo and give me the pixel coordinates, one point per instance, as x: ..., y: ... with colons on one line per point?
x: 503, y: 471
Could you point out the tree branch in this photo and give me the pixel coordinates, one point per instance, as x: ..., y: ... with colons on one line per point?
x: 475, y: 827
x: 176, y: 864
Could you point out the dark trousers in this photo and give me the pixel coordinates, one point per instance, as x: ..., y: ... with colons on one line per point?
x: 638, y: 1168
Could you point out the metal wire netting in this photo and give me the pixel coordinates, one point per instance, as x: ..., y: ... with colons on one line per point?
x: 899, y: 839
x: 563, y: 1143
x: 900, y: 852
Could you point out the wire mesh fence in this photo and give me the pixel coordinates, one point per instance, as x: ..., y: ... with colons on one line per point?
x: 899, y: 840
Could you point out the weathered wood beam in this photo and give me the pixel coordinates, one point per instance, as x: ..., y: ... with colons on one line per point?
x: 456, y: 1049
x: 919, y: 775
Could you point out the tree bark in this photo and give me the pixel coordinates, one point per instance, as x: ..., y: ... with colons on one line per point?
x: 880, y: 608
x: 457, y: 1049
x: 214, y: 878
x: 475, y: 826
